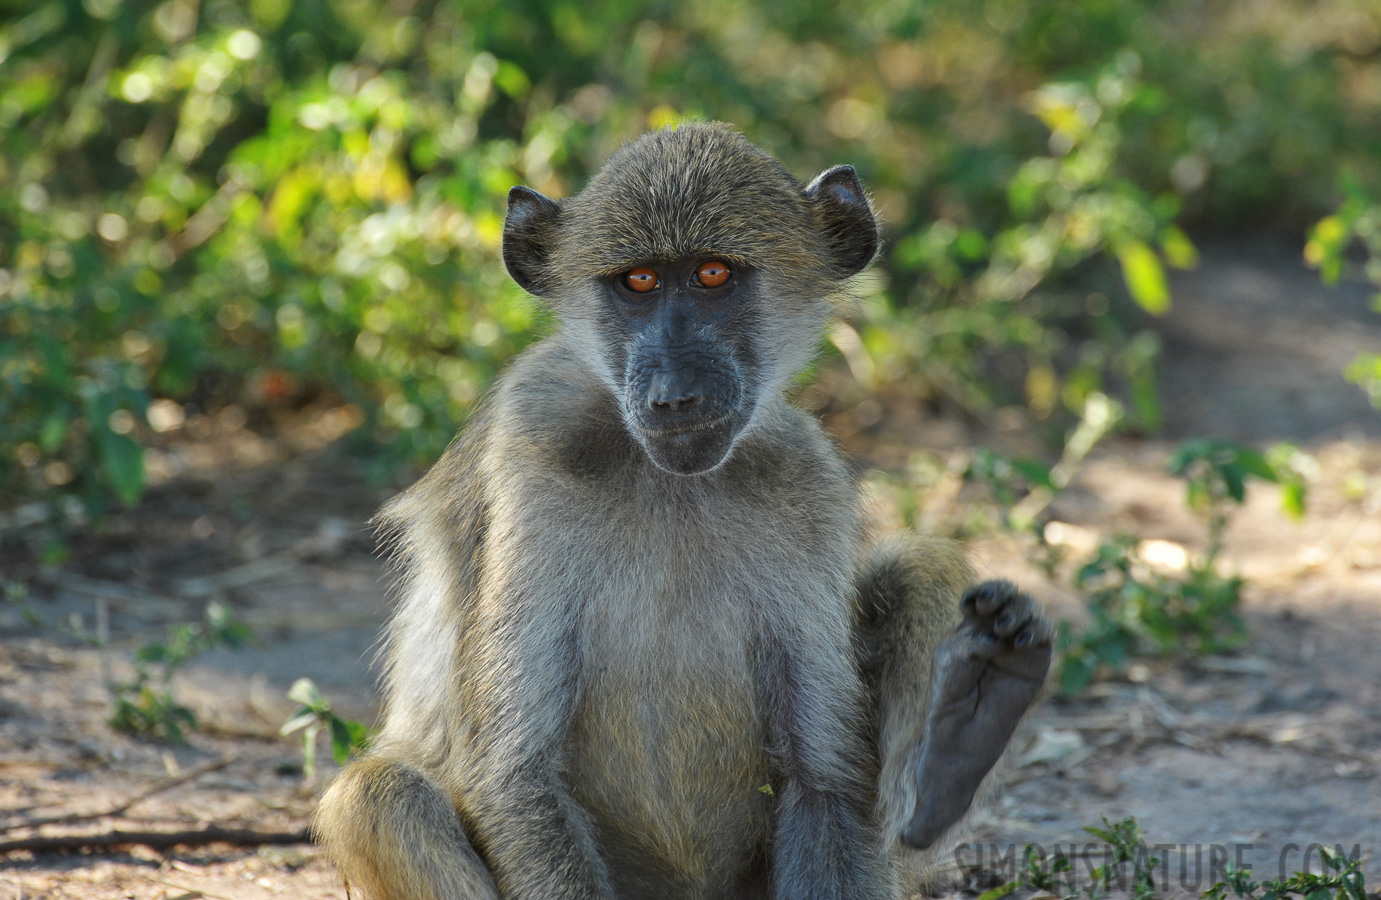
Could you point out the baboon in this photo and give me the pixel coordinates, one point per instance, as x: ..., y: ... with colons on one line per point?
x: 643, y: 649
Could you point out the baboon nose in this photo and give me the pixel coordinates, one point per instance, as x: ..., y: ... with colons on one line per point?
x: 668, y: 396
x: 674, y: 402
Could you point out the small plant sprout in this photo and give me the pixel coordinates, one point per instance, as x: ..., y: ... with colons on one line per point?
x: 314, y: 714
x: 146, y: 705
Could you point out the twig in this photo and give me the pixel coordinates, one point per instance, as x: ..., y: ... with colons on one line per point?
x: 939, y: 500
x: 205, y: 222
x: 158, y: 840
x: 240, y: 576
x: 187, y: 893
x: 97, y: 587
x: 117, y: 809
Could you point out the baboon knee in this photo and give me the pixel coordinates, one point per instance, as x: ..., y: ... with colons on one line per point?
x: 908, y: 595
x: 394, y: 835
x: 908, y: 591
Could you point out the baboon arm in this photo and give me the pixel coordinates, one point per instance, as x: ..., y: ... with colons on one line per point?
x: 537, y: 838
x: 825, y: 845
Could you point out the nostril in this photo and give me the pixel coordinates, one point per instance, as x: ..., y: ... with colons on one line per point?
x: 670, y: 404
x: 672, y: 392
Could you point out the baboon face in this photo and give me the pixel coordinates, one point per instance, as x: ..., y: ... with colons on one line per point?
x: 679, y: 334
x: 693, y: 271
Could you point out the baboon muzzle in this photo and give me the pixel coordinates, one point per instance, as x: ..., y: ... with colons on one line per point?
x: 684, y: 410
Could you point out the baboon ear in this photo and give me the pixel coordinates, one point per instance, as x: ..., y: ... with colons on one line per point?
x: 851, y: 229
x: 529, y: 233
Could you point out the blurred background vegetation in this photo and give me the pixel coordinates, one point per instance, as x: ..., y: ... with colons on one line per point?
x: 275, y: 204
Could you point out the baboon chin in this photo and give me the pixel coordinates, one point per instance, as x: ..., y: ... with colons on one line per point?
x: 607, y: 679
x: 691, y: 452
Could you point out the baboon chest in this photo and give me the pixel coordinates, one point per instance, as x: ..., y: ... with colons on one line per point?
x: 668, y: 749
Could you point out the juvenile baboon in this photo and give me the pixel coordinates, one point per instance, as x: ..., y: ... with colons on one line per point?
x: 642, y: 649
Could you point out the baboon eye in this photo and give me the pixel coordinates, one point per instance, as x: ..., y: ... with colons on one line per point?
x: 712, y: 273
x: 641, y: 280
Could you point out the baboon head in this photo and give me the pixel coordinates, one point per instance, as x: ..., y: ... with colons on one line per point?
x: 692, y: 274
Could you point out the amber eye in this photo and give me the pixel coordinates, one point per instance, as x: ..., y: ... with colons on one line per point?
x: 712, y: 273
x: 641, y: 280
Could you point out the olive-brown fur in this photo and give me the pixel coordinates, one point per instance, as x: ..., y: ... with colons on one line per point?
x: 607, y: 680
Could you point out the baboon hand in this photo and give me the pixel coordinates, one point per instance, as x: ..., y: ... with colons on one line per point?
x: 986, y: 674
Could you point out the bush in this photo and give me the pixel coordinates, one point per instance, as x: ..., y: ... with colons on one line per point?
x: 281, y: 202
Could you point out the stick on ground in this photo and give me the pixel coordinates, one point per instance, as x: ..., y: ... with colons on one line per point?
x: 158, y: 840
x: 124, y: 805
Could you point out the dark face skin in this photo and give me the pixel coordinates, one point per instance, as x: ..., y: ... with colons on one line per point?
x: 680, y: 341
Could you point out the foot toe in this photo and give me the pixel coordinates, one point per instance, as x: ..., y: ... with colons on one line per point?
x: 988, y: 598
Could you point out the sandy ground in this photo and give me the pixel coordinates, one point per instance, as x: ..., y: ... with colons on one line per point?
x: 1262, y: 752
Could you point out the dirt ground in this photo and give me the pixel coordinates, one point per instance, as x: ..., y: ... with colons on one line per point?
x: 1262, y: 753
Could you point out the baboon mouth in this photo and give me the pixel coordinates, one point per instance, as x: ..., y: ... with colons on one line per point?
x: 680, y: 429
x: 692, y: 448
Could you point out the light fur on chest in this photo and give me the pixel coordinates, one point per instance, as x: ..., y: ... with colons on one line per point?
x: 668, y: 740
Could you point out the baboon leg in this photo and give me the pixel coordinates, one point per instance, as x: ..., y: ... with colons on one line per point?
x: 908, y: 592
x: 394, y: 835
x: 986, y: 675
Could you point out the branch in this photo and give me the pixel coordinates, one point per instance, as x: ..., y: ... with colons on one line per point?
x: 158, y: 840
x: 124, y: 805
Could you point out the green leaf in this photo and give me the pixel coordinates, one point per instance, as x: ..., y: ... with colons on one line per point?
x: 1187, y: 453
x: 359, y: 733
x: 1327, y: 241
x: 970, y: 245
x: 1076, y: 673
x: 1292, y: 499
x: 1234, y: 479
x: 304, y: 691
x: 1000, y: 891
x: 1255, y: 463
x: 1179, y: 251
x: 300, y: 720
x: 54, y: 430
x: 1145, y: 277
x: 340, y: 741
x: 122, y: 461
x: 150, y: 653
x: 512, y: 80
x: 1034, y: 472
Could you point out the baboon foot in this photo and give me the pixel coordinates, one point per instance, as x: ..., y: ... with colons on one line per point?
x: 986, y: 674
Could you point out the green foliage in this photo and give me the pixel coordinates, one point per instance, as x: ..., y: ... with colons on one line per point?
x: 1357, y: 221
x: 1133, y: 609
x: 1055, y: 874
x: 146, y: 706
x: 1131, y: 868
x: 976, y: 292
x: 1007, y: 477
x: 276, y: 203
x: 1345, y: 882
x: 1216, y: 474
x: 17, y: 592
x: 1135, y: 612
x: 314, y: 715
x: 1365, y: 371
